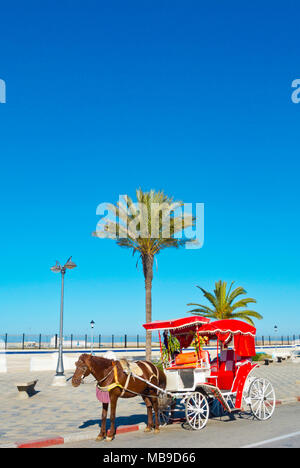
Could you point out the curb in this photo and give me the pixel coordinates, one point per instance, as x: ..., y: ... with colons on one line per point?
x: 58, y: 440
x: 286, y: 401
x: 75, y: 437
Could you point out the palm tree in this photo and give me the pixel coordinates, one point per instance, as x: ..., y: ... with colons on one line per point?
x: 147, y: 227
x: 223, y: 305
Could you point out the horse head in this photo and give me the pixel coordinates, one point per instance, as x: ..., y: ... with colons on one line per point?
x: 82, y: 369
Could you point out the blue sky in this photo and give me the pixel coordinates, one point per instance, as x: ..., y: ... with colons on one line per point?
x: 190, y: 97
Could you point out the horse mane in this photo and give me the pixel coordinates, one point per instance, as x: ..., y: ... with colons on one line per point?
x: 97, y: 364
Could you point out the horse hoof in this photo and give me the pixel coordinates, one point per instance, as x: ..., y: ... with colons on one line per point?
x: 148, y: 429
x: 156, y: 431
x: 99, y: 438
x: 109, y: 439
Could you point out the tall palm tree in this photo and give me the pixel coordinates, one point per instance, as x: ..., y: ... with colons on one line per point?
x: 147, y: 227
x: 223, y: 305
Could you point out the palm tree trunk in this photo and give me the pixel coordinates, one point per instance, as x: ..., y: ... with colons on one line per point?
x: 148, y: 273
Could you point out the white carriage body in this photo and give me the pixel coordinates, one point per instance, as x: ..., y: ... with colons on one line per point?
x: 186, y: 379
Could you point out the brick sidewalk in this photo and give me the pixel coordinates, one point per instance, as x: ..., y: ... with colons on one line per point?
x: 57, y: 411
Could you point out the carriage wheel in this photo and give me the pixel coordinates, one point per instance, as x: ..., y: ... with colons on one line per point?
x: 196, y: 410
x: 164, y: 416
x: 262, y: 399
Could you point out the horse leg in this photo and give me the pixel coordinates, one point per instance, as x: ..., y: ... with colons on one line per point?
x: 102, y: 433
x: 155, y: 407
x: 149, y: 414
x: 113, y: 406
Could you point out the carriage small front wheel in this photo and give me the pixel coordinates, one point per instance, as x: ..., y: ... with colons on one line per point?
x: 261, y: 398
x: 164, y: 416
x: 196, y: 410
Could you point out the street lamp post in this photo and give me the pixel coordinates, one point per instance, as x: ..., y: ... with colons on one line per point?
x: 275, y: 331
x: 59, y: 378
x: 92, y: 323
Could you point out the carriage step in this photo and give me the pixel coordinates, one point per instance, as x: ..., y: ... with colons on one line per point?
x: 217, y: 394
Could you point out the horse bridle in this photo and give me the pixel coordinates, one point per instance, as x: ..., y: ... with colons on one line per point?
x: 83, y: 368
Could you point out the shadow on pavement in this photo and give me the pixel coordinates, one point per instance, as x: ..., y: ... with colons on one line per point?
x: 120, y: 421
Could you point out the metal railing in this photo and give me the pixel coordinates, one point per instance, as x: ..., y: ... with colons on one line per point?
x: 283, y: 340
x: 73, y: 341
x: 26, y: 341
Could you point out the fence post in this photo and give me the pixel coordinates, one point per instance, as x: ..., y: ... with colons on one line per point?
x: 269, y: 340
x: 85, y: 341
x: 99, y: 341
x: 40, y: 341
x: 71, y: 340
x: 5, y: 341
x: 125, y: 341
x: 55, y: 340
x: 263, y: 340
x: 112, y: 341
x: 288, y: 340
x: 23, y: 341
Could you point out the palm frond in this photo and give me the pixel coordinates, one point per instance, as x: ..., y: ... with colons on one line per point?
x: 223, y: 306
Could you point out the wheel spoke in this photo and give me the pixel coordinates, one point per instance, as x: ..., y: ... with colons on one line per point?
x: 197, y: 411
x: 262, y: 398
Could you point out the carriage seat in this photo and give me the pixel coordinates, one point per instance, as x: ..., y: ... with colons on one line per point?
x: 188, y: 360
x: 185, y: 358
x: 227, y: 370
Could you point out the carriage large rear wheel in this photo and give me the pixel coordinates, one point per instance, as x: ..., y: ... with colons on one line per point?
x: 261, y: 398
x: 196, y: 411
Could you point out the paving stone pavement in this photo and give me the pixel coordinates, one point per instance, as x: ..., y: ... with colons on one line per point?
x: 57, y: 411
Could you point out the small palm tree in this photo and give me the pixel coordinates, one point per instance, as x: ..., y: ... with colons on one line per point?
x: 147, y: 228
x: 223, y: 305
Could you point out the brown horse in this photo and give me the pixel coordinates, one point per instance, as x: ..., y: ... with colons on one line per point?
x: 110, y: 375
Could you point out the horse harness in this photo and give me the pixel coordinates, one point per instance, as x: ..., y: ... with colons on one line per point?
x: 127, y: 368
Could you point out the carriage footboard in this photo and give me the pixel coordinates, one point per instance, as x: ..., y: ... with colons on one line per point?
x: 211, y: 389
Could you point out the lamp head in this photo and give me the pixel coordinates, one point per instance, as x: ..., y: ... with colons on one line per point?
x: 56, y: 268
x: 69, y: 264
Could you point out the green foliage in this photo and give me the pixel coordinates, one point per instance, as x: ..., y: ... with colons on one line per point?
x: 147, y: 226
x: 158, y: 364
x: 261, y: 357
x: 199, y: 342
x: 222, y: 305
x: 173, y: 344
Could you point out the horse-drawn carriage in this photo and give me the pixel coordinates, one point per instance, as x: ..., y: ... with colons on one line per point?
x: 206, y: 385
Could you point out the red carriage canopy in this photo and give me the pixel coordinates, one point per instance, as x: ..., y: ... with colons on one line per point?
x: 176, y: 324
x: 242, y: 333
x: 183, y: 329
